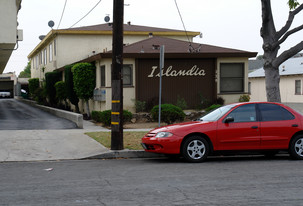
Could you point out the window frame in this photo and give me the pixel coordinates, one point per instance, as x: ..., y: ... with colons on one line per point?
x: 102, y: 76
x: 51, y: 52
x: 298, y: 87
x: 242, y: 106
x: 130, y: 66
x: 261, y: 119
x: 232, y: 78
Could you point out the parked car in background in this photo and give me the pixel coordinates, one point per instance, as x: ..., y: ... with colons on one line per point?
x: 5, y: 94
x: 252, y: 126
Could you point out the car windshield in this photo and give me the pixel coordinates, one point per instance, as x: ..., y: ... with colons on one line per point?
x: 216, y: 114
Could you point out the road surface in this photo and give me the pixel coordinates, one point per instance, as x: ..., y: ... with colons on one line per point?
x: 249, y: 181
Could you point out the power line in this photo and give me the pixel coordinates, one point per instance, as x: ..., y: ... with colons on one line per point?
x: 86, y: 14
x: 191, y: 48
x: 182, y: 21
x: 62, y: 14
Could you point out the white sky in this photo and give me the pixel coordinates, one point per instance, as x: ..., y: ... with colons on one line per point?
x: 234, y: 23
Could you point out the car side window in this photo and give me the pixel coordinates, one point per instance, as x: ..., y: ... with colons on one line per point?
x: 244, y: 113
x: 274, y: 112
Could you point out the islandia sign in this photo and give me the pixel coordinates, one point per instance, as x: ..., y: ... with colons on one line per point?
x: 171, y: 72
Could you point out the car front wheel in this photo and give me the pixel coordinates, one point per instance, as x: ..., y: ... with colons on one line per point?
x: 195, y: 149
x: 296, y: 147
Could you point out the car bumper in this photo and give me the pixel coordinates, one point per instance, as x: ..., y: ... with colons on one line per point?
x: 169, y: 145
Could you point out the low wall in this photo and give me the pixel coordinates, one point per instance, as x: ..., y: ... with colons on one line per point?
x: 74, y: 117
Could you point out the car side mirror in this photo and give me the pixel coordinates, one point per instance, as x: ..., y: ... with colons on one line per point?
x: 229, y: 119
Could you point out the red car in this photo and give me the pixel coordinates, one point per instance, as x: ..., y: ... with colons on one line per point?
x: 251, y: 126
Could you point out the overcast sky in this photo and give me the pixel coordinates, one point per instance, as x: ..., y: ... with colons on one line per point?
x: 234, y: 23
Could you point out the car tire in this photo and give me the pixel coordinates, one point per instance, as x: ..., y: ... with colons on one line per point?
x: 296, y: 147
x: 195, y: 149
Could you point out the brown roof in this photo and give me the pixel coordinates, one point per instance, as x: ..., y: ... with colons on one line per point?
x: 126, y: 27
x: 178, y: 49
x: 149, y: 48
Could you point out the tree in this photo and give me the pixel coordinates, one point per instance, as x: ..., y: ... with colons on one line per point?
x: 61, y: 92
x: 26, y: 73
x: 272, y: 39
x: 69, y: 84
x: 51, y: 78
x: 84, y: 76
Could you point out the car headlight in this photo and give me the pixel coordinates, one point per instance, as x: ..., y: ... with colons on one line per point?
x: 164, y: 134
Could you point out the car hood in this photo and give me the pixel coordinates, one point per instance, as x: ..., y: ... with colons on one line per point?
x: 180, y: 126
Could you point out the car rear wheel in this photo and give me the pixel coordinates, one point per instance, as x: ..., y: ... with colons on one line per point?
x: 296, y: 147
x: 195, y: 149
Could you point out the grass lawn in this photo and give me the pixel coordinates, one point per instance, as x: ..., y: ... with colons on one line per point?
x: 131, y: 140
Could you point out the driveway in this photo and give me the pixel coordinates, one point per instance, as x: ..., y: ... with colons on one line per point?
x: 15, y: 115
x: 29, y: 134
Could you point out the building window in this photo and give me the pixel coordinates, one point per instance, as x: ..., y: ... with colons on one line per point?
x: 231, y: 77
x: 50, y: 52
x: 55, y: 47
x: 44, y: 57
x: 40, y: 58
x: 298, y: 87
x: 127, y: 73
x: 37, y: 61
x: 103, y: 76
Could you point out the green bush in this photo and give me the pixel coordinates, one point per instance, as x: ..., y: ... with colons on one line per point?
x: 244, y: 98
x: 139, y: 105
x: 169, y: 113
x: 69, y: 85
x: 96, y: 116
x: 212, y: 107
x: 33, y: 85
x: 105, y: 116
x: 50, y: 80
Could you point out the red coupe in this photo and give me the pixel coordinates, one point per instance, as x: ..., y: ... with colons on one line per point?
x: 251, y: 126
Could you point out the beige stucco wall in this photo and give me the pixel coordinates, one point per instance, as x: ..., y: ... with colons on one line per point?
x: 73, y: 48
x: 232, y: 98
x: 287, y: 89
x: 8, y: 22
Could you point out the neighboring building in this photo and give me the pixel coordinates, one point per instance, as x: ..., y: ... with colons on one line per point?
x: 291, y: 80
x: 192, y: 71
x: 9, y: 35
x: 66, y: 46
x: 209, y: 72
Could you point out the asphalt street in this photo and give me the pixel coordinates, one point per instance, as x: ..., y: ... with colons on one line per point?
x: 15, y: 115
x: 129, y: 182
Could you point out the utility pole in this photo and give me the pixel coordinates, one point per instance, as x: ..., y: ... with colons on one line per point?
x: 117, y: 82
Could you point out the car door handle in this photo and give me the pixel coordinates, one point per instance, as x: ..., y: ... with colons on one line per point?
x: 294, y: 125
x: 254, y: 127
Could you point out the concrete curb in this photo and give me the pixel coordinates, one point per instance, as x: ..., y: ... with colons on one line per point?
x: 113, y: 154
x: 74, y: 117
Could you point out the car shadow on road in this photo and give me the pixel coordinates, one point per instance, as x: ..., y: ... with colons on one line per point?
x: 223, y: 158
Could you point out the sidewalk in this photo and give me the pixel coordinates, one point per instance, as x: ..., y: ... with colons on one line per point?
x: 41, y: 145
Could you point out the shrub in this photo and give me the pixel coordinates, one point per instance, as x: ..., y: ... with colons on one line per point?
x: 105, y: 116
x: 181, y: 103
x: 33, y: 85
x: 50, y: 79
x: 60, y: 91
x: 244, y: 98
x: 139, y: 105
x: 169, y: 113
x: 84, y: 78
x: 69, y: 85
x: 220, y: 101
x: 96, y: 116
x: 204, y: 102
x: 212, y: 107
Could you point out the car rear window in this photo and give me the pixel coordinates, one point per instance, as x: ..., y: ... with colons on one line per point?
x: 274, y: 112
